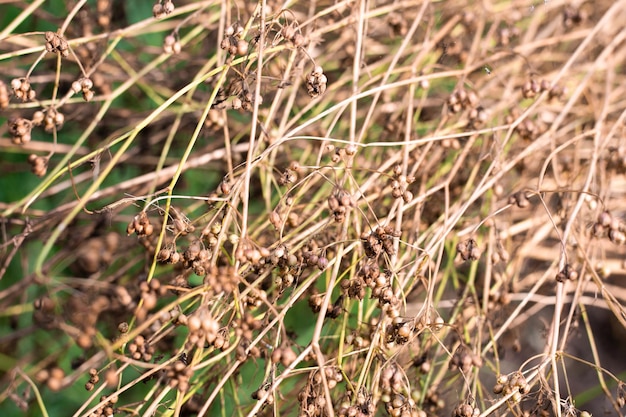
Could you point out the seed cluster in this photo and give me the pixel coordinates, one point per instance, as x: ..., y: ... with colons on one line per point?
x: 520, y: 199
x: 39, y: 164
x: 19, y: 129
x: 140, y: 349
x: 468, y: 249
x: 106, y: 408
x: 292, y: 33
x: 461, y: 99
x: 162, y: 8
x: 284, y: 355
x: 463, y: 359
x: 465, y: 410
x: 178, y: 375
x: 171, y: 45
x: 150, y: 294
x: 316, y: 82
x: 22, y: 89
x: 610, y: 226
x: 311, y: 398
x: 233, y: 41
x: 84, y: 86
x: 379, y: 240
x: 57, y: 44
x: 140, y: 224
x: 400, y: 184
x: 52, y: 377
x: 339, y: 203
x: 567, y: 273
x: 359, y: 405
x: 261, y: 392
x: 93, y: 379
x: 514, y: 383
x: 394, y: 392
x: 51, y: 118
x: 205, y: 331
x: 532, y: 87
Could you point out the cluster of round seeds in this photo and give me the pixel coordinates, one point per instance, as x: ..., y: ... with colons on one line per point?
x: 247, y: 251
x: 354, y: 288
x: 402, y: 406
x: 477, y: 117
x: 361, y: 406
x: 53, y: 377
x: 244, y: 350
x: 397, y: 23
x: 85, y: 86
x: 567, y: 273
x: 180, y: 223
x: 44, y: 312
x: 379, y: 240
x: 140, y: 224
x: 51, y: 119
x: 140, y: 349
x: 311, y: 398
x: 340, y: 154
x: 392, y: 380
x: 500, y: 254
x: 531, y: 88
x: 573, y: 16
x: 399, y: 332
x: 150, y: 294
x: 400, y: 184
x: 107, y: 408
x: 233, y: 42
x: 339, y: 203
x: 526, y: 129
x: 168, y: 255
x: 468, y: 249
x: 369, y: 275
x: 171, y: 45
x: 93, y: 379
x: 197, y: 258
x: 96, y: 252
x: 293, y: 35
x: 461, y: 99
x: 4, y: 95
x: 57, y: 44
x: 22, y: 89
x: 610, y: 226
x: 162, y: 9
x: 284, y: 355
x: 222, y: 279
x: 465, y: 410
x: 311, y: 259
x: 514, y: 383
x: 178, y: 375
x: 520, y: 199
x: 463, y: 359
x: 245, y: 100
x: 19, y: 129
x: 38, y: 164
x: 316, y: 82
x: 262, y: 392
x: 203, y: 329
x: 287, y: 177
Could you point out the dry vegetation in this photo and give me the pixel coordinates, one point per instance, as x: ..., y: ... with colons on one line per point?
x: 349, y: 208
